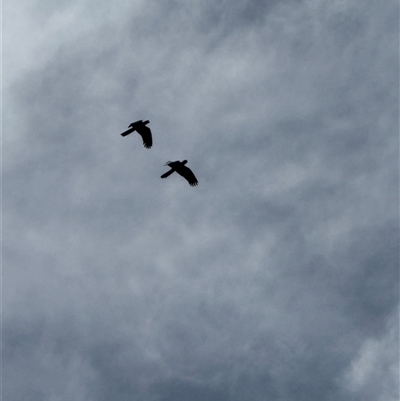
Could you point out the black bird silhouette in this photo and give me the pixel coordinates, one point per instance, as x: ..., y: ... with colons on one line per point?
x: 182, y: 170
x: 142, y: 130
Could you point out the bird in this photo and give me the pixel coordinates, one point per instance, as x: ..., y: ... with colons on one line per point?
x: 182, y: 170
x: 142, y: 130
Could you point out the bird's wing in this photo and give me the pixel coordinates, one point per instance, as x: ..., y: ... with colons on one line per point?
x: 127, y: 132
x: 188, y: 174
x: 145, y: 133
x: 168, y: 173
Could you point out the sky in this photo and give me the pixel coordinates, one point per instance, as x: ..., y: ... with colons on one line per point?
x: 277, y: 277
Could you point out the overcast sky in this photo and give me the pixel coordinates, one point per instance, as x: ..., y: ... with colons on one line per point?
x: 277, y: 278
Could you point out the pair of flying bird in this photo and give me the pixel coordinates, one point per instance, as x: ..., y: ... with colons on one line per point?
x: 145, y: 132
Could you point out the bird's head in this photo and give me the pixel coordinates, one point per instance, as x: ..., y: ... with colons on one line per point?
x: 184, y: 162
x: 137, y: 122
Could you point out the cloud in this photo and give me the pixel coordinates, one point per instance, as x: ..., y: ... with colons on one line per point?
x: 276, y: 277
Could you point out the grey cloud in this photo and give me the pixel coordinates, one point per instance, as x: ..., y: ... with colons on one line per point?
x: 268, y: 280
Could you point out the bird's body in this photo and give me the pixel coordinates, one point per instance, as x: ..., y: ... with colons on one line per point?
x: 182, y: 170
x: 142, y: 130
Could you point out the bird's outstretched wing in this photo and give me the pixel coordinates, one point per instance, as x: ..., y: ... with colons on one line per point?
x: 145, y: 133
x: 168, y: 173
x: 185, y: 172
x: 127, y: 132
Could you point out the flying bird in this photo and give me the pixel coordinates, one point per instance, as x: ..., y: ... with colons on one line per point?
x: 142, y: 130
x: 182, y: 170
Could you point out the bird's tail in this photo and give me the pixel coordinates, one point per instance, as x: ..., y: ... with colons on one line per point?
x: 168, y: 173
